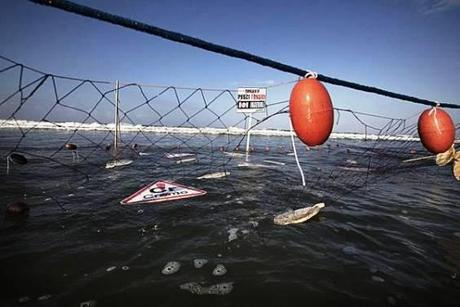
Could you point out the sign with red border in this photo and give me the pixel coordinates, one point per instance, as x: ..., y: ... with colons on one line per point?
x: 160, y: 191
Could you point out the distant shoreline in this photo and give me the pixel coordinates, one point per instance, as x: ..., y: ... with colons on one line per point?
x: 69, y: 126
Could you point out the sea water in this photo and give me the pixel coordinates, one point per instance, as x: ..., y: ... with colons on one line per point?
x: 394, y: 241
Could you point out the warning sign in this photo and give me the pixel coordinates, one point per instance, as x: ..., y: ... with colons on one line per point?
x: 162, y: 191
x: 251, y: 99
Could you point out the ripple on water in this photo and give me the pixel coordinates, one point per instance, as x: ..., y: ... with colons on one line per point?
x: 90, y: 303
x: 349, y: 250
x: 110, y: 269
x: 377, y: 279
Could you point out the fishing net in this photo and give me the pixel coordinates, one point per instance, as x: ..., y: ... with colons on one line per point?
x: 83, y: 132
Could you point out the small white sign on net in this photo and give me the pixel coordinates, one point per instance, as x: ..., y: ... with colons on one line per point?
x: 251, y: 100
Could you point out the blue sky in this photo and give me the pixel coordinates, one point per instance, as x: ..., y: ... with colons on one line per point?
x: 408, y: 46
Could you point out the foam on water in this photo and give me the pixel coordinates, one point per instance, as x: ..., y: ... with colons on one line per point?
x: 219, y: 270
x: 199, y: 263
x: 217, y: 289
x: 232, y: 234
x: 171, y: 268
x: 125, y: 127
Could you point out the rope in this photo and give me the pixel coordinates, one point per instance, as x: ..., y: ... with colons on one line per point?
x: 199, y: 43
x: 296, y: 157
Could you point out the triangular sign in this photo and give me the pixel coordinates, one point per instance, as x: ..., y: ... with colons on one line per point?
x: 161, y: 191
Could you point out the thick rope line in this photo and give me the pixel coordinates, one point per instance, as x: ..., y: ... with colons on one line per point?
x: 199, y: 43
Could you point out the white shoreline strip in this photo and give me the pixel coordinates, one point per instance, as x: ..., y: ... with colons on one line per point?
x: 25, y: 124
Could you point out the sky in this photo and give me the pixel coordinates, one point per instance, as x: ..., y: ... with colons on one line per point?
x: 407, y: 46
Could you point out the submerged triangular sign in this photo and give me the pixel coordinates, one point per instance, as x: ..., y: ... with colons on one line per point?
x: 161, y: 191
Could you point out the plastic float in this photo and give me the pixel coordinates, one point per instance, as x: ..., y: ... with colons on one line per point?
x: 436, y: 130
x: 311, y: 111
x: 298, y: 216
x: 73, y: 149
x: 117, y: 163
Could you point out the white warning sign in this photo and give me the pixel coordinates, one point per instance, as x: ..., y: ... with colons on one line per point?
x: 162, y: 191
x: 251, y: 99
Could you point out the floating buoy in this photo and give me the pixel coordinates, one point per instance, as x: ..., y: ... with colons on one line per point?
x: 436, y: 130
x: 70, y: 146
x: 298, y: 216
x: 311, y: 111
x: 17, y: 208
x: 73, y: 149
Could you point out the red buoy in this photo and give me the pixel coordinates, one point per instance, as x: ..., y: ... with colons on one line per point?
x: 70, y: 146
x: 436, y: 130
x: 312, y: 114
x: 17, y: 208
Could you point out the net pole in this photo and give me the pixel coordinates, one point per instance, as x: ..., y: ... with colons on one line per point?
x: 8, y: 165
x: 248, y: 132
x: 117, y: 120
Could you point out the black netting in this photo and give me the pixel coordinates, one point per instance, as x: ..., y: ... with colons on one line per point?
x: 66, y: 129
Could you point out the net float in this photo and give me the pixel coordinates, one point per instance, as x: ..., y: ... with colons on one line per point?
x: 73, y: 149
x: 436, y: 130
x: 17, y: 208
x: 70, y: 146
x: 311, y: 111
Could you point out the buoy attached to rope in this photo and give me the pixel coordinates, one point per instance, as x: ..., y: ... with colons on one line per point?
x: 73, y: 149
x: 436, y: 130
x: 70, y: 146
x: 311, y: 111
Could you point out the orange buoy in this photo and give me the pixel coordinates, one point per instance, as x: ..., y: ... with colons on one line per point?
x: 312, y: 114
x: 436, y: 130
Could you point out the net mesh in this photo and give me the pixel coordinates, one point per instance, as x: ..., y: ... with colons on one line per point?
x: 71, y: 130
